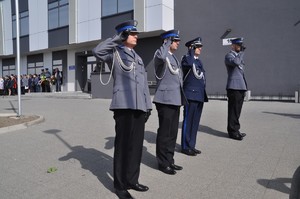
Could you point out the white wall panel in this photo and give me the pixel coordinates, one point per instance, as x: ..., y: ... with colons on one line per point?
x: 7, y: 28
x: 94, y: 9
x: 153, y: 2
x: 89, y: 20
x: 34, y: 41
x: 168, y: 3
x: 82, y: 11
x: 94, y: 29
x: 159, y: 15
x: 83, y: 30
x: 38, y: 24
x: 154, y: 18
x: 167, y: 18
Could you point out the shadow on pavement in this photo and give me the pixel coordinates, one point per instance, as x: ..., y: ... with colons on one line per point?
x: 280, y: 184
x: 149, y: 159
x: 109, y: 143
x: 98, y: 163
x: 295, y: 116
x: 208, y: 130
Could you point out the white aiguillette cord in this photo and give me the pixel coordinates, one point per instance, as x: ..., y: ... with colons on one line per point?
x: 198, y: 76
x: 123, y: 67
x: 173, y: 71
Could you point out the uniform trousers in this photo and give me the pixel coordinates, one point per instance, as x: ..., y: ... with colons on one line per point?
x: 168, y: 116
x: 191, y: 119
x: 235, y: 104
x: 129, y: 127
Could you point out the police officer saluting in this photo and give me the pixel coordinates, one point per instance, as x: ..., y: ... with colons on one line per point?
x: 131, y: 105
x: 194, y: 90
x: 236, y: 87
x: 168, y: 99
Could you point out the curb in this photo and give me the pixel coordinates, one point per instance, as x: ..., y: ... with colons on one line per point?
x: 21, y: 126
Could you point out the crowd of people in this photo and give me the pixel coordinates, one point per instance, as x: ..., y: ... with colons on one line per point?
x: 43, y: 82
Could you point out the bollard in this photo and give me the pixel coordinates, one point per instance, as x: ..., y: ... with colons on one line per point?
x: 296, y: 97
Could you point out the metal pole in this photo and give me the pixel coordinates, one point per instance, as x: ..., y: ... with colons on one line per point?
x: 18, y: 57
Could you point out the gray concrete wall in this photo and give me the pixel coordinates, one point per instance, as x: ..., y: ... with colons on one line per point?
x: 271, y: 29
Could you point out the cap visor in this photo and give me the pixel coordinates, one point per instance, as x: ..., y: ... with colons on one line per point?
x: 134, y: 31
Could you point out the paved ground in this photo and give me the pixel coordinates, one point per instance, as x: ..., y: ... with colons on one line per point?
x: 77, y: 137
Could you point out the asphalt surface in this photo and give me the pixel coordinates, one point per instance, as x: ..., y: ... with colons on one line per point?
x: 68, y: 155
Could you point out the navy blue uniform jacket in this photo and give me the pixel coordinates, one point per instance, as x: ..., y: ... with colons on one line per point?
x: 194, y: 89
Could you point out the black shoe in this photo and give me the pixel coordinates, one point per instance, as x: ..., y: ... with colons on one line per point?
x: 197, y: 151
x: 123, y: 194
x: 139, y: 187
x: 167, y: 170
x: 189, y: 152
x: 235, y: 136
x: 243, y: 134
x: 176, y: 167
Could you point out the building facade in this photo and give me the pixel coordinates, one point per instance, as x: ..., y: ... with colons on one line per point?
x: 62, y: 33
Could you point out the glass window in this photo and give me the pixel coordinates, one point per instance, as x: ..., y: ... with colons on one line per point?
x: 53, y: 18
x: 53, y: 5
x: 91, y: 59
x: 63, y: 16
x: 57, y: 62
x: 34, y: 68
x: 104, y: 67
x: 125, y: 5
x: 31, y: 71
x: 111, y: 7
x: 24, y: 14
x: 8, y: 70
x: 5, y: 73
x: 63, y: 2
x: 89, y: 70
x: 24, y: 24
x: 14, y: 31
x: 30, y: 65
x: 58, y: 14
x: 60, y: 67
x: 39, y: 64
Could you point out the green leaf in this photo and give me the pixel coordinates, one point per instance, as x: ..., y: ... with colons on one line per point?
x: 51, y: 169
